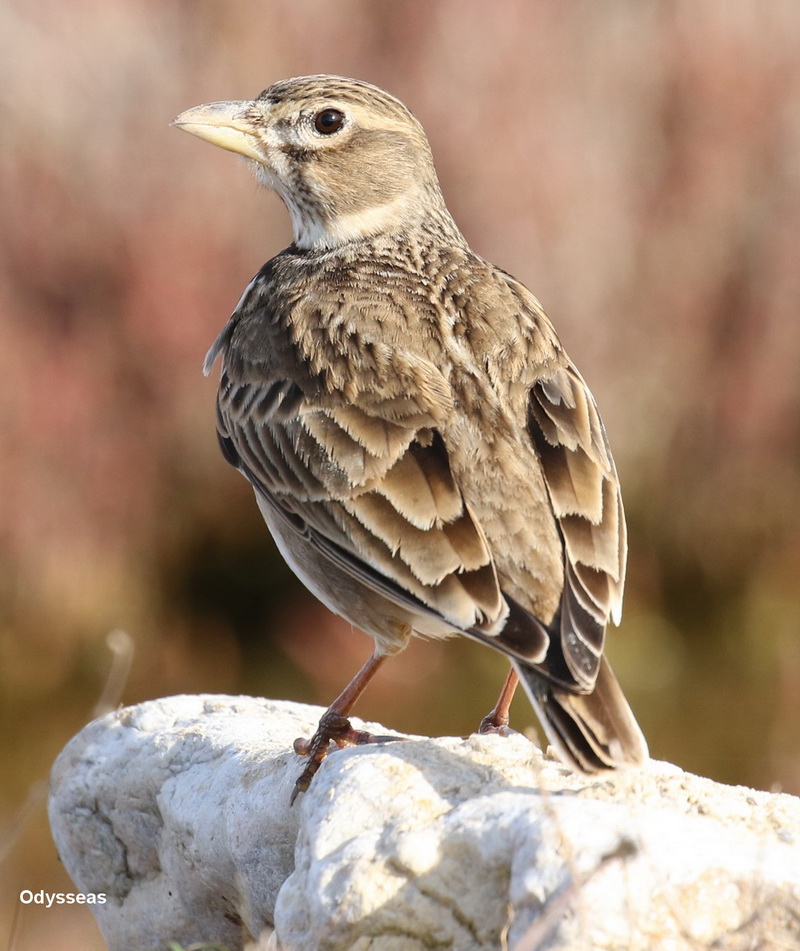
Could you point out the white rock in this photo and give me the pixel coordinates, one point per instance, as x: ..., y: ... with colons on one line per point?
x: 178, y: 810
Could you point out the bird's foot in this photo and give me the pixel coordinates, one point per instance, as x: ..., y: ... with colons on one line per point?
x: 334, y: 732
x: 495, y: 723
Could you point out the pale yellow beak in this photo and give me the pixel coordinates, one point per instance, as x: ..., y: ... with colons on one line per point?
x: 226, y: 124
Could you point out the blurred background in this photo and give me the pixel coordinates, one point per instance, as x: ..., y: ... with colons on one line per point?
x: 636, y: 164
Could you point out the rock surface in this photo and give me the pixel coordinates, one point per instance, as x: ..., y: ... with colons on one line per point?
x: 178, y: 811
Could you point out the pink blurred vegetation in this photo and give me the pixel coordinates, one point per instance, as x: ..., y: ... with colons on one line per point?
x: 636, y: 164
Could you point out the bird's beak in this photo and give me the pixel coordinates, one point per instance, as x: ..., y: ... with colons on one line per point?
x: 226, y: 124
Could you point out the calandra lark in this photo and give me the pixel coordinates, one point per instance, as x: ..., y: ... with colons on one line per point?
x: 425, y: 454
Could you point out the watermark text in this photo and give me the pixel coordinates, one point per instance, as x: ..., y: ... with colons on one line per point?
x: 48, y: 899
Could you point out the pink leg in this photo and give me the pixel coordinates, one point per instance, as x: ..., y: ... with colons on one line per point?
x: 497, y: 720
x: 334, y: 726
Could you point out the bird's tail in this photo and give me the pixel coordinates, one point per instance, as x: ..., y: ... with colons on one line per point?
x: 590, y: 732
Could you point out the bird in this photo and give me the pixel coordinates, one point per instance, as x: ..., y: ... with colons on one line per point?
x: 427, y: 457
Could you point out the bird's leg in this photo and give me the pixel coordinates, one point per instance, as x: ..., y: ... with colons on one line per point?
x: 334, y: 726
x: 497, y: 720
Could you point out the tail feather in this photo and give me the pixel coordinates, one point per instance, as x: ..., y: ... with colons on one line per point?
x: 591, y: 732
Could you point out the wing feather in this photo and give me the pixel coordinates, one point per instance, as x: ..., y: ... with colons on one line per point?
x: 584, y: 491
x: 380, y: 490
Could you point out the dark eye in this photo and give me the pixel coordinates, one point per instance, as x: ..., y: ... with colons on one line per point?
x: 328, y: 121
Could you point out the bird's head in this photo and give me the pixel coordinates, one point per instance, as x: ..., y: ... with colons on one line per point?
x: 348, y: 159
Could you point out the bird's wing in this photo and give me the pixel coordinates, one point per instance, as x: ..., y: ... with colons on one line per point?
x: 582, y: 483
x: 368, y: 482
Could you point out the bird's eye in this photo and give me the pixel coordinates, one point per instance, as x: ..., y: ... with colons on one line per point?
x: 328, y: 121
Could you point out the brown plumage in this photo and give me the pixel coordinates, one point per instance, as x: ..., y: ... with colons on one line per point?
x: 425, y: 454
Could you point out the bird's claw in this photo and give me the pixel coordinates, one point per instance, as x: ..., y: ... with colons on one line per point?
x: 493, y: 724
x: 334, y: 732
